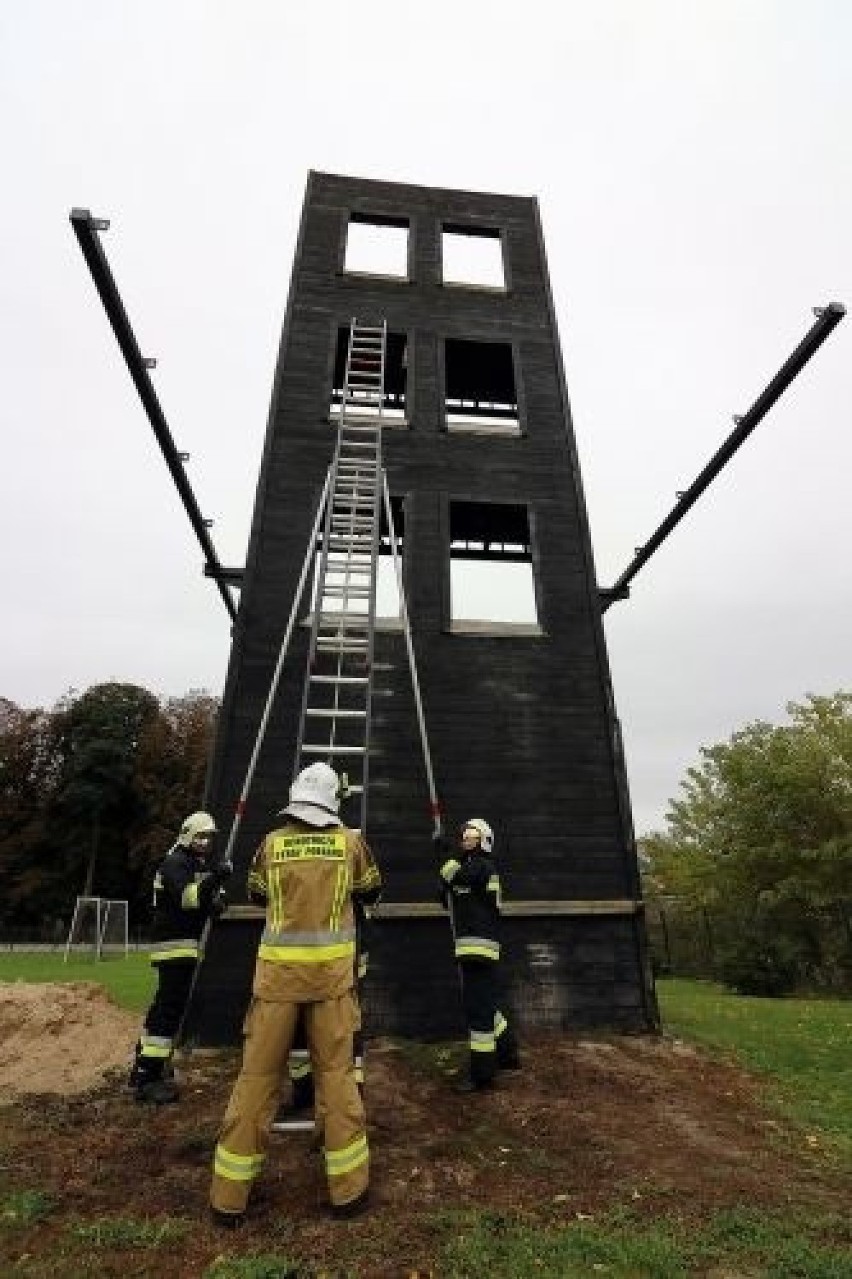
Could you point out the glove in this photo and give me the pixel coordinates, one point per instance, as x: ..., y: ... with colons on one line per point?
x: 440, y: 843
x: 222, y: 873
x: 218, y: 902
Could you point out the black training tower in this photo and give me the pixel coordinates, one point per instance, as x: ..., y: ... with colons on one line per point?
x: 482, y: 466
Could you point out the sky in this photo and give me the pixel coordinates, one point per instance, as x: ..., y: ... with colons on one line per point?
x: 693, y: 164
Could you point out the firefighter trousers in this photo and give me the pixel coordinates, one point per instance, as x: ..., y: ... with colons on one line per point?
x: 244, y: 1136
x: 299, y: 1066
x: 156, y: 1043
x: 491, y: 1039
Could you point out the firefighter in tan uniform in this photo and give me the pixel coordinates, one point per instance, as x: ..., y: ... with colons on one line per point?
x: 308, y: 871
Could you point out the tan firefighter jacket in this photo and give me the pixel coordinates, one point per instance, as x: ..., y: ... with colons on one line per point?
x: 308, y: 876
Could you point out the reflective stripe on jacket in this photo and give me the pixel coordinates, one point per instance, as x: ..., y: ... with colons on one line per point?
x: 307, y: 877
x: 183, y: 893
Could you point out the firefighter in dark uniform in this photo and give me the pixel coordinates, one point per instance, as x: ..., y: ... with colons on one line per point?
x: 470, y: 888
x: 186, y: 893
x: 308, y: 871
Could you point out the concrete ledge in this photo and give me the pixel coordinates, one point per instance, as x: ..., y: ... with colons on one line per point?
x: 514, y: 909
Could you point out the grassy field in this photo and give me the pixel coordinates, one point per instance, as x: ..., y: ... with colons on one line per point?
x: 129, y: 980
x: 802, y: 1046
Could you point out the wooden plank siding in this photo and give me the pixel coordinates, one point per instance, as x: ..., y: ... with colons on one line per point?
x: 522, y: 726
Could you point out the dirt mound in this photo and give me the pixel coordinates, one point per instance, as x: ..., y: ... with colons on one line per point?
x: 60, y: 1038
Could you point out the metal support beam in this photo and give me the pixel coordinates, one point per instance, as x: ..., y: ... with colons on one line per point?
x: 86, y: 228
x: 828, y: 318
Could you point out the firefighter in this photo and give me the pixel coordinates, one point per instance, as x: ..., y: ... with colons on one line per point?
x: 186, y: 892
x: 308, y: 871
x: 470, y: 888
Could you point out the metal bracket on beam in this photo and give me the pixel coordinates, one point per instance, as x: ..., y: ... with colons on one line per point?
x: 609, y: 595
x: 230, y: 576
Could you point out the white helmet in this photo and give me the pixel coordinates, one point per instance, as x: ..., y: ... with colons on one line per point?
x: 315, y: 796
x: 486, y: 834
x: 196, y: 824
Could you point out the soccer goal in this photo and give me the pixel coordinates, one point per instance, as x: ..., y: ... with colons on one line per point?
x: 99, y: 927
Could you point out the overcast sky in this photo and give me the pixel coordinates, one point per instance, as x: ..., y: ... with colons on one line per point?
x: 693, y: 161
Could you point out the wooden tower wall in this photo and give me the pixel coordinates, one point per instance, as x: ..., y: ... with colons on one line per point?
x: 522, y: 721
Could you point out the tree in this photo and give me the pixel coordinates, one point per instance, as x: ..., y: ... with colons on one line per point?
x: 97, y: 801
x: 29, y: 770
x: 763, y: 832
x: 92, y: 794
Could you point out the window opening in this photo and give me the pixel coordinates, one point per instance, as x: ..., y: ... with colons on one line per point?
x: 376, y: 245
x: 479, y: 387
x: 396, y: 379
x: 491, y: 570
x: 472, y: 255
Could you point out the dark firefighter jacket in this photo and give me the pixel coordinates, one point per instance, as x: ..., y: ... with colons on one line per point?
x: 470, y: 887
x: 185, y: 895
x: 309, y: 879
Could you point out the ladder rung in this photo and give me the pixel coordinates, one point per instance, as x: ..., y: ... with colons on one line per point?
x: 356, y: 592
x: 333, y: 750
x: 295, y: 1125
x: 339, y: 622
x: 341, y: 647
x: 325, y: 713
x: 361, y: 680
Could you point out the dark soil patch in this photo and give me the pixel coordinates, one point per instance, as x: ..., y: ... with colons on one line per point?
x: 587, y: 1125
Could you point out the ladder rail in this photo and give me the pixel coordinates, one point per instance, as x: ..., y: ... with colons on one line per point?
x: 276, y: 675
x: 412, y: 663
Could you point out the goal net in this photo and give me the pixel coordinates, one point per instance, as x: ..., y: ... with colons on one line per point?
x: 99, y: 928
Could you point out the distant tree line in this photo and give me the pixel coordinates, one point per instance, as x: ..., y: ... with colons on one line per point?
x: 92, y: 793
x: 753, y: 875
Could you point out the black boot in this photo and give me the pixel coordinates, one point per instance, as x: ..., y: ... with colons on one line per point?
x: 509, y: 1060
x: 301, y: 1100
x: 508, y: 1057
x: 157, y: 1092
x: 468, y: 1085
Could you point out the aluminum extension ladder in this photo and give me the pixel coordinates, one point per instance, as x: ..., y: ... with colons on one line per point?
x: 334, y: 724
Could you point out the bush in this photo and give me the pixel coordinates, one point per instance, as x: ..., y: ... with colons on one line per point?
x: 758, y: 963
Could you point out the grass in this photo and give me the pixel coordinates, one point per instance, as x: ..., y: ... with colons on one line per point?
x: 129, y: 979
x: 772, y: 1246
x: 24, y: 1208
x: 257, y: 1266
x: 801, y: 1046
x: 117, y: 1232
